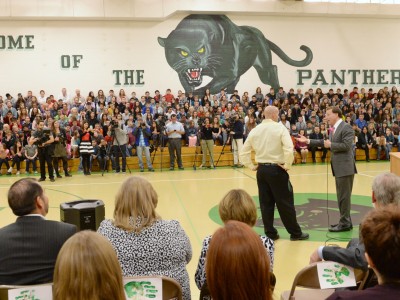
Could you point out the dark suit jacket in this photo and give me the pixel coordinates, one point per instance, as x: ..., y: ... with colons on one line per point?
x: 352, y: 256
x: 29, y: 249
x: 342, y: 158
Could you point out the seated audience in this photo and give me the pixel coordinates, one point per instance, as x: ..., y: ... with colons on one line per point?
x: 380, y: 232
x: 145, y: 244
x: 236, y: 205
x: 365, y: 142
x: 29, y: 247
x: 87, y: 268
x: 385, y: 191
x: 237, y: 264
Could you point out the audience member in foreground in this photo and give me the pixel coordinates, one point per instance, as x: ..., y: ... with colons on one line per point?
x: 385, y: 191
x: 380, y: 232
x: 237, y: 205
x: 29, y: 247
x: 87, y: 268
x: 237, y: 264
x: 145, y: 244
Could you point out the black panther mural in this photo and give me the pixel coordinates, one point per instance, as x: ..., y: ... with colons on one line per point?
x: 312, y: 215
x: 212, y: 45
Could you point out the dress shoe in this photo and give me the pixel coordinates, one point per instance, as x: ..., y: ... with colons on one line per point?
x: 340, y: 228
x: 52, y: 179
x: 68, y: 175
x: 42, y: 179
x: 273, y: 237
x: 59, y: 176
x: 303, y: 236
x: 181, y: 168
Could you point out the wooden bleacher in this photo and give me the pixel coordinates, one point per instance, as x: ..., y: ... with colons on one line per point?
x: 189, y: 155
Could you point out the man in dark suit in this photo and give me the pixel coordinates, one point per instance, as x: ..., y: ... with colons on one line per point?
x: 343, y: 165
x: 385, y: 191
x: 29, y: 247
x: 317, y: 135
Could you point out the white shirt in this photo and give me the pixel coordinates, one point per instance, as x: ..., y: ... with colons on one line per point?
x: 175, y: 126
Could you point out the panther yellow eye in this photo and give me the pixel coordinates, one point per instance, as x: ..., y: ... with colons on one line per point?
x: 200, y: 50
x: 184, y: 53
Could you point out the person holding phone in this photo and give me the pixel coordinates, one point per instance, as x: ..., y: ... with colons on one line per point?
x: 175, y: 131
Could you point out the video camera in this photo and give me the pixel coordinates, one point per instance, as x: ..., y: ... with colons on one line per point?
x: 42, y: 136
x: 161, y: 121
x: 114, y: 124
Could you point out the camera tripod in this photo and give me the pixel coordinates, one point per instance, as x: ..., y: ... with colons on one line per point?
x: 223, y: 147
x: 109, y: 149
x: 159, y: 143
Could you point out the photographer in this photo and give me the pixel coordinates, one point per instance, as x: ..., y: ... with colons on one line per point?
x: 236, y: 133
x: 207, y: 142
x: 44, y: 140
x: 143, y: 135
x: 60, y: 150
x: 120, y: 139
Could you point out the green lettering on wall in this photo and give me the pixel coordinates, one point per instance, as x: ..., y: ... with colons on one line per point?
x: 139, y: 77
x: 353, y: 74
x: 381, y: 76
x: 65, y: 61
x: 18, y: 42
x: 395, y: 76
x: 15, y: 43
x: 303, y: 74
x: 320, y: 78
x: 2, y: 42
x: 128, y: 77
x: 368, y: 76
x: 117, y: 76
x: 29, y: 41
x: 335, y: 76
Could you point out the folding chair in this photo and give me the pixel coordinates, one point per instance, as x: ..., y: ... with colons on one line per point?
x: 5, y: 288
x: 308, y: 278
x: 171, y: 289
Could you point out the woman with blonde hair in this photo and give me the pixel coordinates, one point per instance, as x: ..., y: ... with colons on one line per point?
x: 145, y: 244
x: 237, y: 264
x: 236, y: 205
x: 87, y: 268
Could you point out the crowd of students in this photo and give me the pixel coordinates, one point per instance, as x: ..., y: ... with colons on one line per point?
x: 375, y: 116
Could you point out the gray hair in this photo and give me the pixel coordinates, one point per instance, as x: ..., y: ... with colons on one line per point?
x: 386, y: 188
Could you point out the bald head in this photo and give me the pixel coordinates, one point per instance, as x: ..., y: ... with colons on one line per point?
x: 271, y: 112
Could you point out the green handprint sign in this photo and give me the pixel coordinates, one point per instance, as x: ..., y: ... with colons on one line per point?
x: 140, y: 290
x: 335, y: 276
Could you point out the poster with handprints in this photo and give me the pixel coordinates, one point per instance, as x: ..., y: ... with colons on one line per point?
x: 143, y: 288
x: 334, y: 275
x: 38, y: 292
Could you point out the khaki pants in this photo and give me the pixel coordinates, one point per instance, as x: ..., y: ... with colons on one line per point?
x: 207, y: 146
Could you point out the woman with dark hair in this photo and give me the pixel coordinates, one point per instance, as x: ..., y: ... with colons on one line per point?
x: 60, y: 150
x: 259, y: 96
x: 85, y: 147
x: 237, y: 264
x: 302, y: 147
x: 207, y: 143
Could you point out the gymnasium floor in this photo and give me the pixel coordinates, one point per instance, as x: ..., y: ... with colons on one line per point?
x: 191, y: 196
